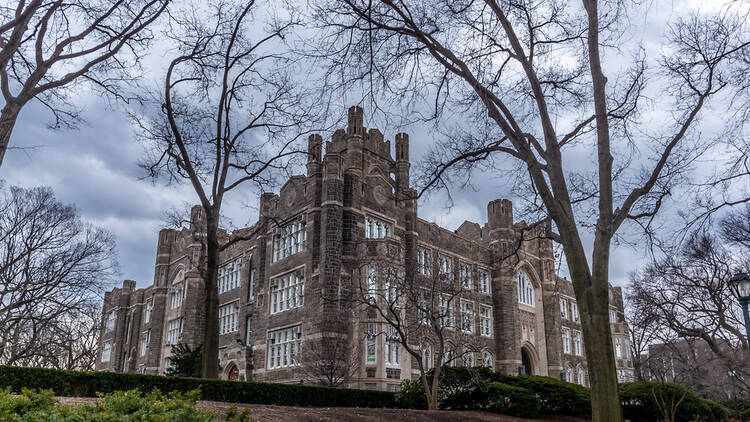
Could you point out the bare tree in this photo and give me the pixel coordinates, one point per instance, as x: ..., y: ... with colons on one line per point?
x: 684, y: 298
x: 48, y: 47
x: 417, y: 306
x: 228, y: 115
x: 529, y: 82
x: 330, y: 360
x: 53, y: 270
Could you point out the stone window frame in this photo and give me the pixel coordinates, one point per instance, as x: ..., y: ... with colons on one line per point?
x: 149, y: 309
x: 248, y: 331
x: 174, y: 328
x: 371, y: 343
x: 618, y: 347
x: 488, y: 319
x: 577, y: 343
x: 106, y: 351
x: 485, y: 355
x: 428, y: 356
x: 465, y: 361
x: 392, y: 348
x: 178, y: 290
x: 484, y: 284
x: 574, y: 311
x: 145, y: 340
x: 526, y: 288
x: 285, y: 301
x: 566, y: 340
x: 229, y: 321
x: 563, y: 307
x: 465, y: 277
x: 467, y: 321
x: 424, y: 254
x: 612, y: 315
x: 449, y: 314
x: 109, y: 323
x: 373, y: 221
x: 445, y: 272
x: 229, y: 279
x: 280, y: 354
x: 289, y: 239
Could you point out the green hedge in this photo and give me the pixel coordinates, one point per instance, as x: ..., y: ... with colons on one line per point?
x: 510, y: 400
x: 87, y: 384
x: 557, y: 397
x: 639, y: 402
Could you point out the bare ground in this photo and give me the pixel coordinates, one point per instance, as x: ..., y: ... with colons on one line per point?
x: 264, y: 413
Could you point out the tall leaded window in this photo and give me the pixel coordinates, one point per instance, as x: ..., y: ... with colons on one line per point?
x: 468, y: 359
x: 376, y: 228
x: 566, y: 340
x: 229, y: 276
x: 577, y: 347
x: 484, y: 282
x: 106, y: 351
x: 564, y: 307
x: 485, y: 321
x: 449, y: 356
x: 392, y: 347
x: 446, y: 312
x: 371, y: 343
x: 372, y: 282
x: 251, y: 285
x: 464, y: 274
x: 426, y: 356
x: 110, y: 325
x: 287, y: 291
x: 446, y: 267
x: 525, y: 289
x: 228, y: 315
x: 424, y: 307
x: 424, y: 261
x: 487, y: 360
x: 284, y: 347
x: 467, y: 316
x: 581, y: 377
x: 618, y: 347
x: 149, y: 309
x: 574, y: 311
x: 393, y: 287
x: 612, y: 316
x: 289, y: 239
x: 177, y: 293
x: 145, y: 339
x: 174, y: 331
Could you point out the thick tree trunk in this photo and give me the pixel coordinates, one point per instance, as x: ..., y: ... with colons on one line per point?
x: 210, y: 364
x: 8, y: 118
x: 593, y: 303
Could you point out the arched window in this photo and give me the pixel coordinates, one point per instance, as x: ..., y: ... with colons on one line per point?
x: 468, y: 359
x: 525, y: 289
x: 426, y: 356
x: 487, y: 360
x: 581, y: 379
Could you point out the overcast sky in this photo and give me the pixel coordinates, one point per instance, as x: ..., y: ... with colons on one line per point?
x: 95, y: 168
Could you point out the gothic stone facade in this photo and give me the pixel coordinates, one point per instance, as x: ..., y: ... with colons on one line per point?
x: 353, y: 216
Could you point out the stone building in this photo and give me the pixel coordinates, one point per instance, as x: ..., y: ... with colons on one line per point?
x: 348, y: 223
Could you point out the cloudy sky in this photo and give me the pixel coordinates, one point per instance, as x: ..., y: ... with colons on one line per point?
x: 95, y: 168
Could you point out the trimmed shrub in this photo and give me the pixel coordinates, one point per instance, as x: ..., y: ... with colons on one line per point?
x: 471, y: 389
x: 131, y: 406
x: 639, y: 402
x: 411, y: 395
x: 510, y: 400
x: 557, y: 397
x: 88, y: 384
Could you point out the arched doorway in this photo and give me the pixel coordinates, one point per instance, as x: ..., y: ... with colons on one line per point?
x: 233, y: 373
x: 526, y: 361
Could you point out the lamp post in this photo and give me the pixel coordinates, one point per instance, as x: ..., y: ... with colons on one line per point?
x: 740, y: 285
